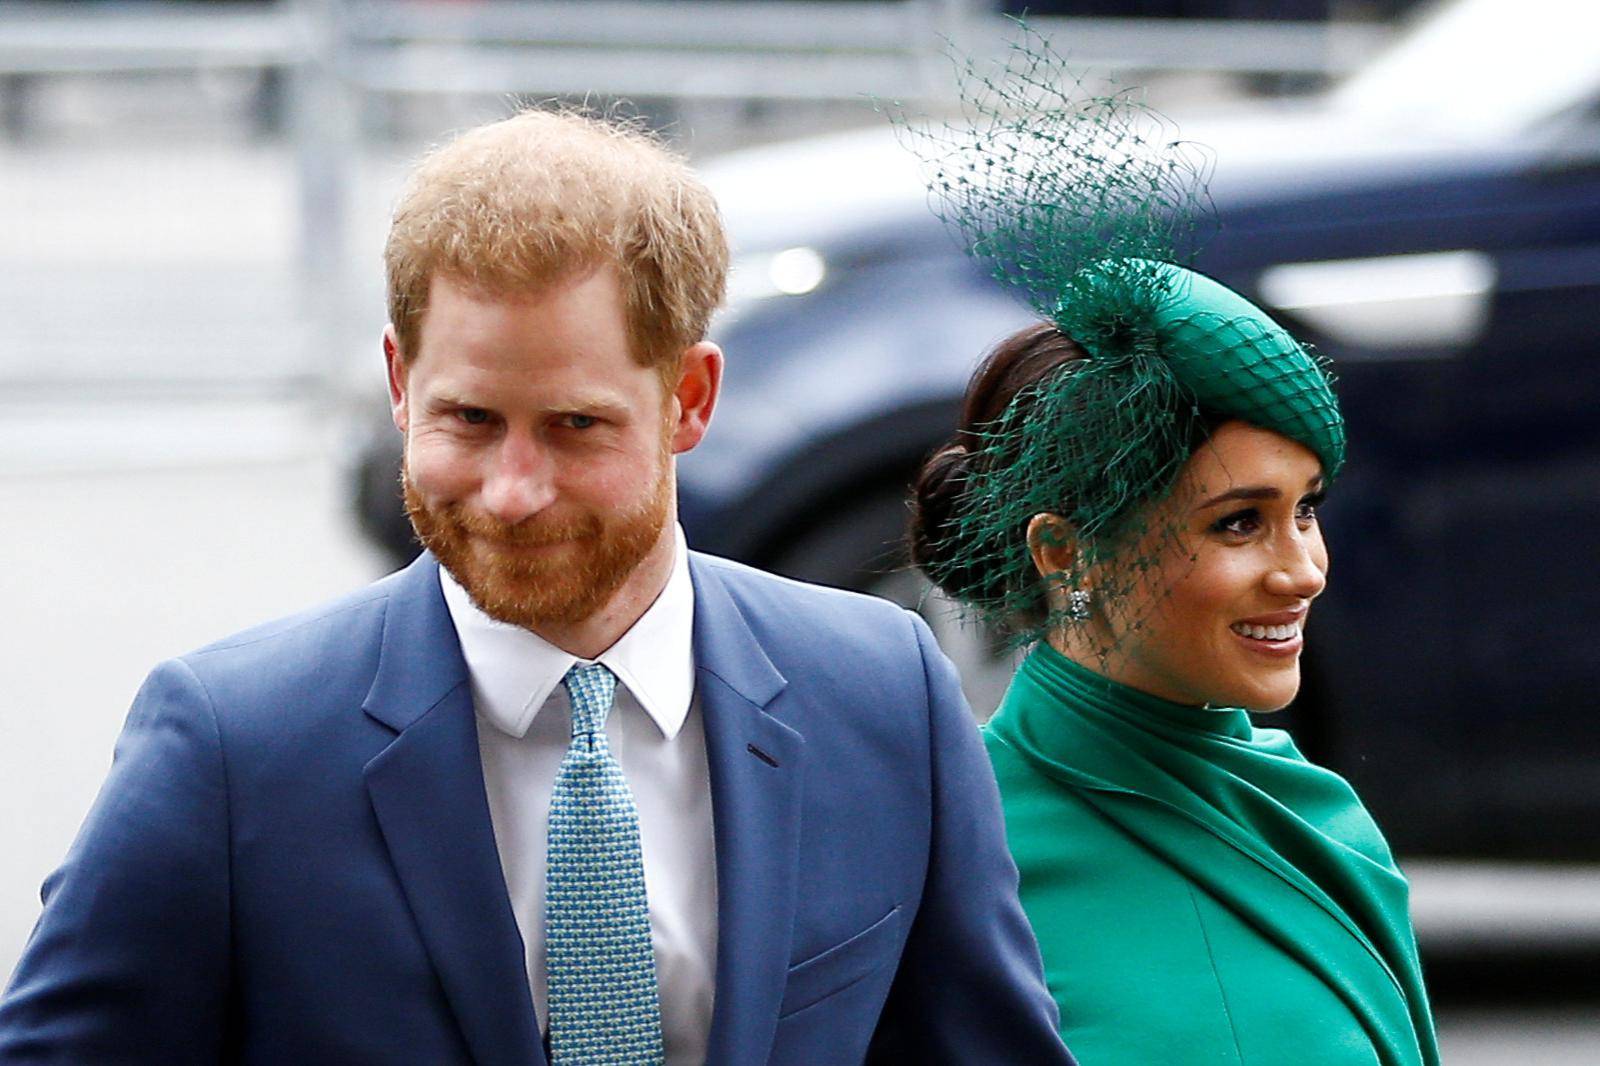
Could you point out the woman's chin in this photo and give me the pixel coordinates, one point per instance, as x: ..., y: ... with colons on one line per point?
x: 1266, y: 694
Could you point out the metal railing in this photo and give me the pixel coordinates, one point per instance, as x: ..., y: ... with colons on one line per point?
x: 332, y: 58
x: 122, y: 38
x: 786, y: 49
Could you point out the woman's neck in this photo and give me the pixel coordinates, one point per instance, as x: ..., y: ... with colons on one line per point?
x: 1115, y: 663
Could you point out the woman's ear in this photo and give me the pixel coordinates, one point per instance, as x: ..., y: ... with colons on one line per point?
x: 1052, y: 543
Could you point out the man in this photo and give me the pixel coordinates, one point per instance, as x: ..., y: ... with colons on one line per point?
x: 561, y: 790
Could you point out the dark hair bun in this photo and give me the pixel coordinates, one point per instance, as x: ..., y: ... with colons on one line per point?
x: 935, y: 503
x: 1017, y: 363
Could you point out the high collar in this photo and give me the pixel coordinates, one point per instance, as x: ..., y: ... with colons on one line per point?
x: 1239, y: 812
x: 1076, y: 683
x: 514, y: 670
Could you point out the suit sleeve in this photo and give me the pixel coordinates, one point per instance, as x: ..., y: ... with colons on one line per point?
x: 129, y: 961
x: 971, y: 985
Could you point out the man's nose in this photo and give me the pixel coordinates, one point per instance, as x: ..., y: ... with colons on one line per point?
x: 520, y: 480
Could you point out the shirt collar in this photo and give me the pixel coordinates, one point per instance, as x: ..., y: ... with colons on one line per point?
x: 514, y: 670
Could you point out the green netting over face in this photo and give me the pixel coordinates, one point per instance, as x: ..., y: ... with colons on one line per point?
x: 1088, y: 208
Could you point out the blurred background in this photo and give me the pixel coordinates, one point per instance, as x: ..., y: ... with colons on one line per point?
x: 194, y: 435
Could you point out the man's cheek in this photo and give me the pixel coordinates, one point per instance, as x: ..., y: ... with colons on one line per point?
x: 436, y: 469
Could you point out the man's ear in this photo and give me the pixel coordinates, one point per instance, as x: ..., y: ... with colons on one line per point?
x: 695, y: 395
x: 399, y: 408
x: 1053, y: 544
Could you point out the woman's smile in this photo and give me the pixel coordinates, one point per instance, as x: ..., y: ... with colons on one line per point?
x: 1280, y: 634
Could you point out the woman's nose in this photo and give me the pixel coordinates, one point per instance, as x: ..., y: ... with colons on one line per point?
x: 1302, y: 567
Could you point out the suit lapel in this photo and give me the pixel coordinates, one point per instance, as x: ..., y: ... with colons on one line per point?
x: 755, y: 762
x: 427, y: 790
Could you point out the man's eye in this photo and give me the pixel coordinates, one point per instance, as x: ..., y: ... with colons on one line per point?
x: 580, y: 421
x: 473, y: 416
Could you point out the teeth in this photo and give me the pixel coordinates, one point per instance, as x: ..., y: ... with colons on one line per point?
x: 1267, y: 632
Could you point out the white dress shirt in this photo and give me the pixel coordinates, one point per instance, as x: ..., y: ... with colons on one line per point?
x: 658, y: 737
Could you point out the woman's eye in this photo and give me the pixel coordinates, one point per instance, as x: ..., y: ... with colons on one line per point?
x: 1240, y: 523
x: 1306, y: 512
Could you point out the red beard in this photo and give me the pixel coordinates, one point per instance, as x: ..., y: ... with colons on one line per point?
x: 540, y: 572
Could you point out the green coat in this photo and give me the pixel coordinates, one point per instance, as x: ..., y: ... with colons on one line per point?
x: 1200, y: 892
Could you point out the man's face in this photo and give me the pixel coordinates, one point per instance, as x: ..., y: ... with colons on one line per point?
x: 538, y: 456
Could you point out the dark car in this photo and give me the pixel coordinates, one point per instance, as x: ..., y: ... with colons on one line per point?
x: 1445, y: 256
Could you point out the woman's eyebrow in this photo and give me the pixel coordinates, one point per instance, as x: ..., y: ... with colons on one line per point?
x: 1245, y: 492
x: 1257, y: 492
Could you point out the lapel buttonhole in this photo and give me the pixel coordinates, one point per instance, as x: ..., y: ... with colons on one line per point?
x: 763, y: 756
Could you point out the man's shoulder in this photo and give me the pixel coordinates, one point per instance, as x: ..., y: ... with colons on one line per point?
x: 796, y: 618
x: 758, y: 589
x: 314, y: 624
x: 330, y: 647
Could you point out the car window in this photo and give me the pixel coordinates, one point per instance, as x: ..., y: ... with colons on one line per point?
x: 1482, y: 67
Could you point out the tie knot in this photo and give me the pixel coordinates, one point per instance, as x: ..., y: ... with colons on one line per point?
x: 590, y: 689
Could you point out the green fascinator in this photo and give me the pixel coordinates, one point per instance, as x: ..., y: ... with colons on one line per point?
x: 1237, y: 362
x: 1090, y: 209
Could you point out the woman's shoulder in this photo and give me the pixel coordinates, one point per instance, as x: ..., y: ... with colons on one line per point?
x: 1073, y: 857
x: 1144, y: 964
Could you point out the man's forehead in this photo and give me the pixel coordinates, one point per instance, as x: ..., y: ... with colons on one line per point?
x: 490, y: 286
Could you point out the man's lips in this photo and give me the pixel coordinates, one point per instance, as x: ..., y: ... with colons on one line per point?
x: 529, y: 551
x: 524, y: 541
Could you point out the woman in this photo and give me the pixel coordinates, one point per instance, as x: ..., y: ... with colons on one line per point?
x: 1133, y: 492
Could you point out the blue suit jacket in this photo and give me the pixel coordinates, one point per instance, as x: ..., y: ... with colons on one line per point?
x: 292, y: 859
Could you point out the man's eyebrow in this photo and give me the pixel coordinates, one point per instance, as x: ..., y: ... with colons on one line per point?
x: 1256, y: 492
x: 592, y: 402
x: 599, y: 402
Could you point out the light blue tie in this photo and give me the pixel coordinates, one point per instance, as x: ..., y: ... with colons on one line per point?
x: 604, y: 1007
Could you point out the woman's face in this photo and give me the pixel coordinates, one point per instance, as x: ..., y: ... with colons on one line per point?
x: 1220, y: 619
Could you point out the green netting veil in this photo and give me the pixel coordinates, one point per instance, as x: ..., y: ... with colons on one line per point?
x: 1090, y: 210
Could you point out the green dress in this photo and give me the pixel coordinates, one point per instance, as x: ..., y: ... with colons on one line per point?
x: 1201, y: 893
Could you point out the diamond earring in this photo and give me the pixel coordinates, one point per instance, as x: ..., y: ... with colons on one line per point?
x: 1078, y: 605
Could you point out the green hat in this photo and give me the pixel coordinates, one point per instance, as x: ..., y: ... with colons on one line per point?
x: 1237, y: 361
x: 1089, y: 207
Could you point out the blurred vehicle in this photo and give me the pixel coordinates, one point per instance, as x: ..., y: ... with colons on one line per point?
x: 1433, y: 226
